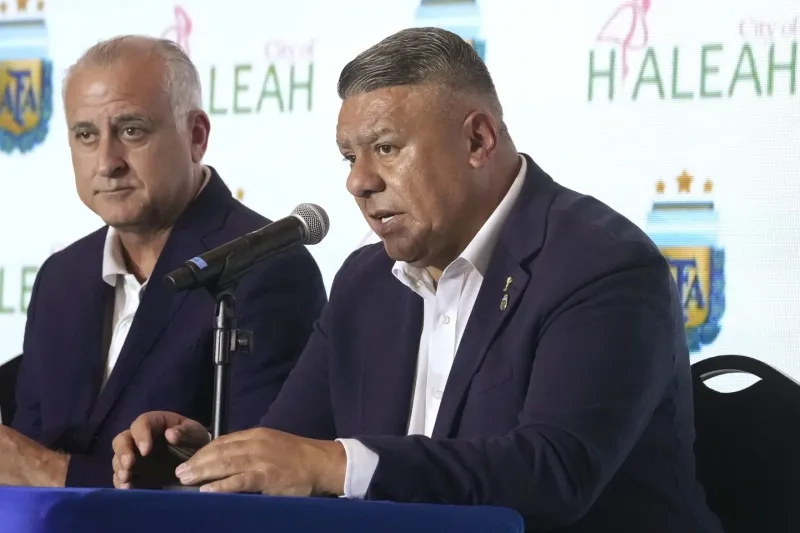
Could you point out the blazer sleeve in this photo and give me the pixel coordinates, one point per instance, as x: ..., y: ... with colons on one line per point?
x: 602, y: 365
x: 304, y: 406
x: 279, y: 304
x: 27, y: 418
x: 84, y: 470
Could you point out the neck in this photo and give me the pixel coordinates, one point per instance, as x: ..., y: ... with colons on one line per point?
x: 141, y: 251
x: 498, y: 183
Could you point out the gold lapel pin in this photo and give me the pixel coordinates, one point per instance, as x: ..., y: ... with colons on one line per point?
x: 504, y: 301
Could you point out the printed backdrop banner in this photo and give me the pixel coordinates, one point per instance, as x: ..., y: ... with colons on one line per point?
x: 682, y: 115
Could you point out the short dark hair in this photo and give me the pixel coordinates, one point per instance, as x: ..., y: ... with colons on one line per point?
x: 417, y: 56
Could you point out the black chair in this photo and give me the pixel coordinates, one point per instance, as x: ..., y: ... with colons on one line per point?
x: 748, y: 446
x: 8, y: 389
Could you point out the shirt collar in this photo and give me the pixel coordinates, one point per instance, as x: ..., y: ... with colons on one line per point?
x: 479, y: 251
x: 113, y: 260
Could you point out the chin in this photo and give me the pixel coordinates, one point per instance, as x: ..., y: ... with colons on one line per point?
x: 122, y: 222
x: 406, y: 254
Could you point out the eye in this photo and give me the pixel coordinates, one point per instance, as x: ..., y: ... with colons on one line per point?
x: 349, y: 158
x: 384, y: 149
x: 84, y: 136
x: 131, y: 132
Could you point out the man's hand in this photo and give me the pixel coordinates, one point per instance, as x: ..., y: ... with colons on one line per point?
x: 267, y: 461
x: 143, y: 438
x: 25, y: 462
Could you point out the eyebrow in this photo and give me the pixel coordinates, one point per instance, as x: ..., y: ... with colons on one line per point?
x: 126, y: 118
x: 366, y: 137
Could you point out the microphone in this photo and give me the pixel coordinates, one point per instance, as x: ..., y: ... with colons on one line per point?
x: 308, y: 224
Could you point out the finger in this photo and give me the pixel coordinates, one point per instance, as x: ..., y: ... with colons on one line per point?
x: 124, y: 456
x: 119, y: 484
x: 150, y: 425
x: 245, y: 435
x: 216, y: 462
x: 122, y: 462
x: 124, y: 476
x: 120, y: 472
x: 141, y: 433
x: 245, y: 482
x: 123, y: 445
x: 188, y: 434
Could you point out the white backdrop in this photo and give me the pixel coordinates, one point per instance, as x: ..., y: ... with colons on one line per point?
x: 703, y: 90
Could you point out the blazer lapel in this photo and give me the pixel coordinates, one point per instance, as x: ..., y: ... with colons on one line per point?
x: 79, y: 368
x: 520, y: 239
x: 159, y: 303
x: 157, y: 307
x: 492, y: 310
x: 390, y: 363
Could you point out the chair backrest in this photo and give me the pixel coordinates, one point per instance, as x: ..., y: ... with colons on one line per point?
x: 8, y: 389
x: 748, y: 446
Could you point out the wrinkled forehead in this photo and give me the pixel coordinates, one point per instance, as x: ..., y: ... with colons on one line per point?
x: 398, y: 109
x: 125, y: 86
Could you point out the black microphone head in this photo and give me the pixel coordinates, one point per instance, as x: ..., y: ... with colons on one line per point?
x: 316, y: 220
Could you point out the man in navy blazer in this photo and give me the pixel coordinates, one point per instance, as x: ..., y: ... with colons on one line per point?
x: 106, y: 339
x: 511, y: 343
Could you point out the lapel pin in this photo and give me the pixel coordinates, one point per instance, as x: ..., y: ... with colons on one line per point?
x: 504, y: 301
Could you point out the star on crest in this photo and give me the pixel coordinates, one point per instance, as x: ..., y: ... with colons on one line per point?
x: 685, y: 182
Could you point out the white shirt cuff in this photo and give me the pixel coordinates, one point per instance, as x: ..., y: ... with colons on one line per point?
x: 361, y: 465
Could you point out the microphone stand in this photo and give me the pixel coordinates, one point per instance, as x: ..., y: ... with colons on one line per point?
x: 228, y: 340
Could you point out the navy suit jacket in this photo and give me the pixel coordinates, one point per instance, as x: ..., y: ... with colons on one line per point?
x: 166, y: 362
x: 573, y: 405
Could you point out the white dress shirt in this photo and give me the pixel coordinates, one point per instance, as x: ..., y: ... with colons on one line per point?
x: 127, y: 295
x: 447, y: 309
x: 127, y: 292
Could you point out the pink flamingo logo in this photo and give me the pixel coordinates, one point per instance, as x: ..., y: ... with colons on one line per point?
x: 181, y: 30
x: 627, y: 27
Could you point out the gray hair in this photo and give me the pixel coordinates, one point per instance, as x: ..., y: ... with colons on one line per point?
x: 181, y: 80
x: 418, y: 56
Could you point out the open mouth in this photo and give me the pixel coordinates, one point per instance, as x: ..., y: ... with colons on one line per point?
x: 383, y: 221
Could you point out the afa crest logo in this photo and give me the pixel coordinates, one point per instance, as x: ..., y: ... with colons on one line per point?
x: 461, y: 17
x: 684, y: 225
x: 26, y: 76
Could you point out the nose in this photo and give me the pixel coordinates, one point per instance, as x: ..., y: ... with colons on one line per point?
x: 110, y: 158
x: 363, y: 181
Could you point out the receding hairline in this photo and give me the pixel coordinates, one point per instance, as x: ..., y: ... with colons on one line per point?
x: 150, y: 62
x: 179, y: 77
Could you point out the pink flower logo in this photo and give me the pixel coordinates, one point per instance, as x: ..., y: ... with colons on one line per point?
x: 627, y: 28
x: 181, y: 30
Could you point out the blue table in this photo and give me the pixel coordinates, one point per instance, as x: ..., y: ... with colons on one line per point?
x: 26, y: 510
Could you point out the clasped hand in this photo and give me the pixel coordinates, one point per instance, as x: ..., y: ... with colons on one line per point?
x: 258, y: 460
